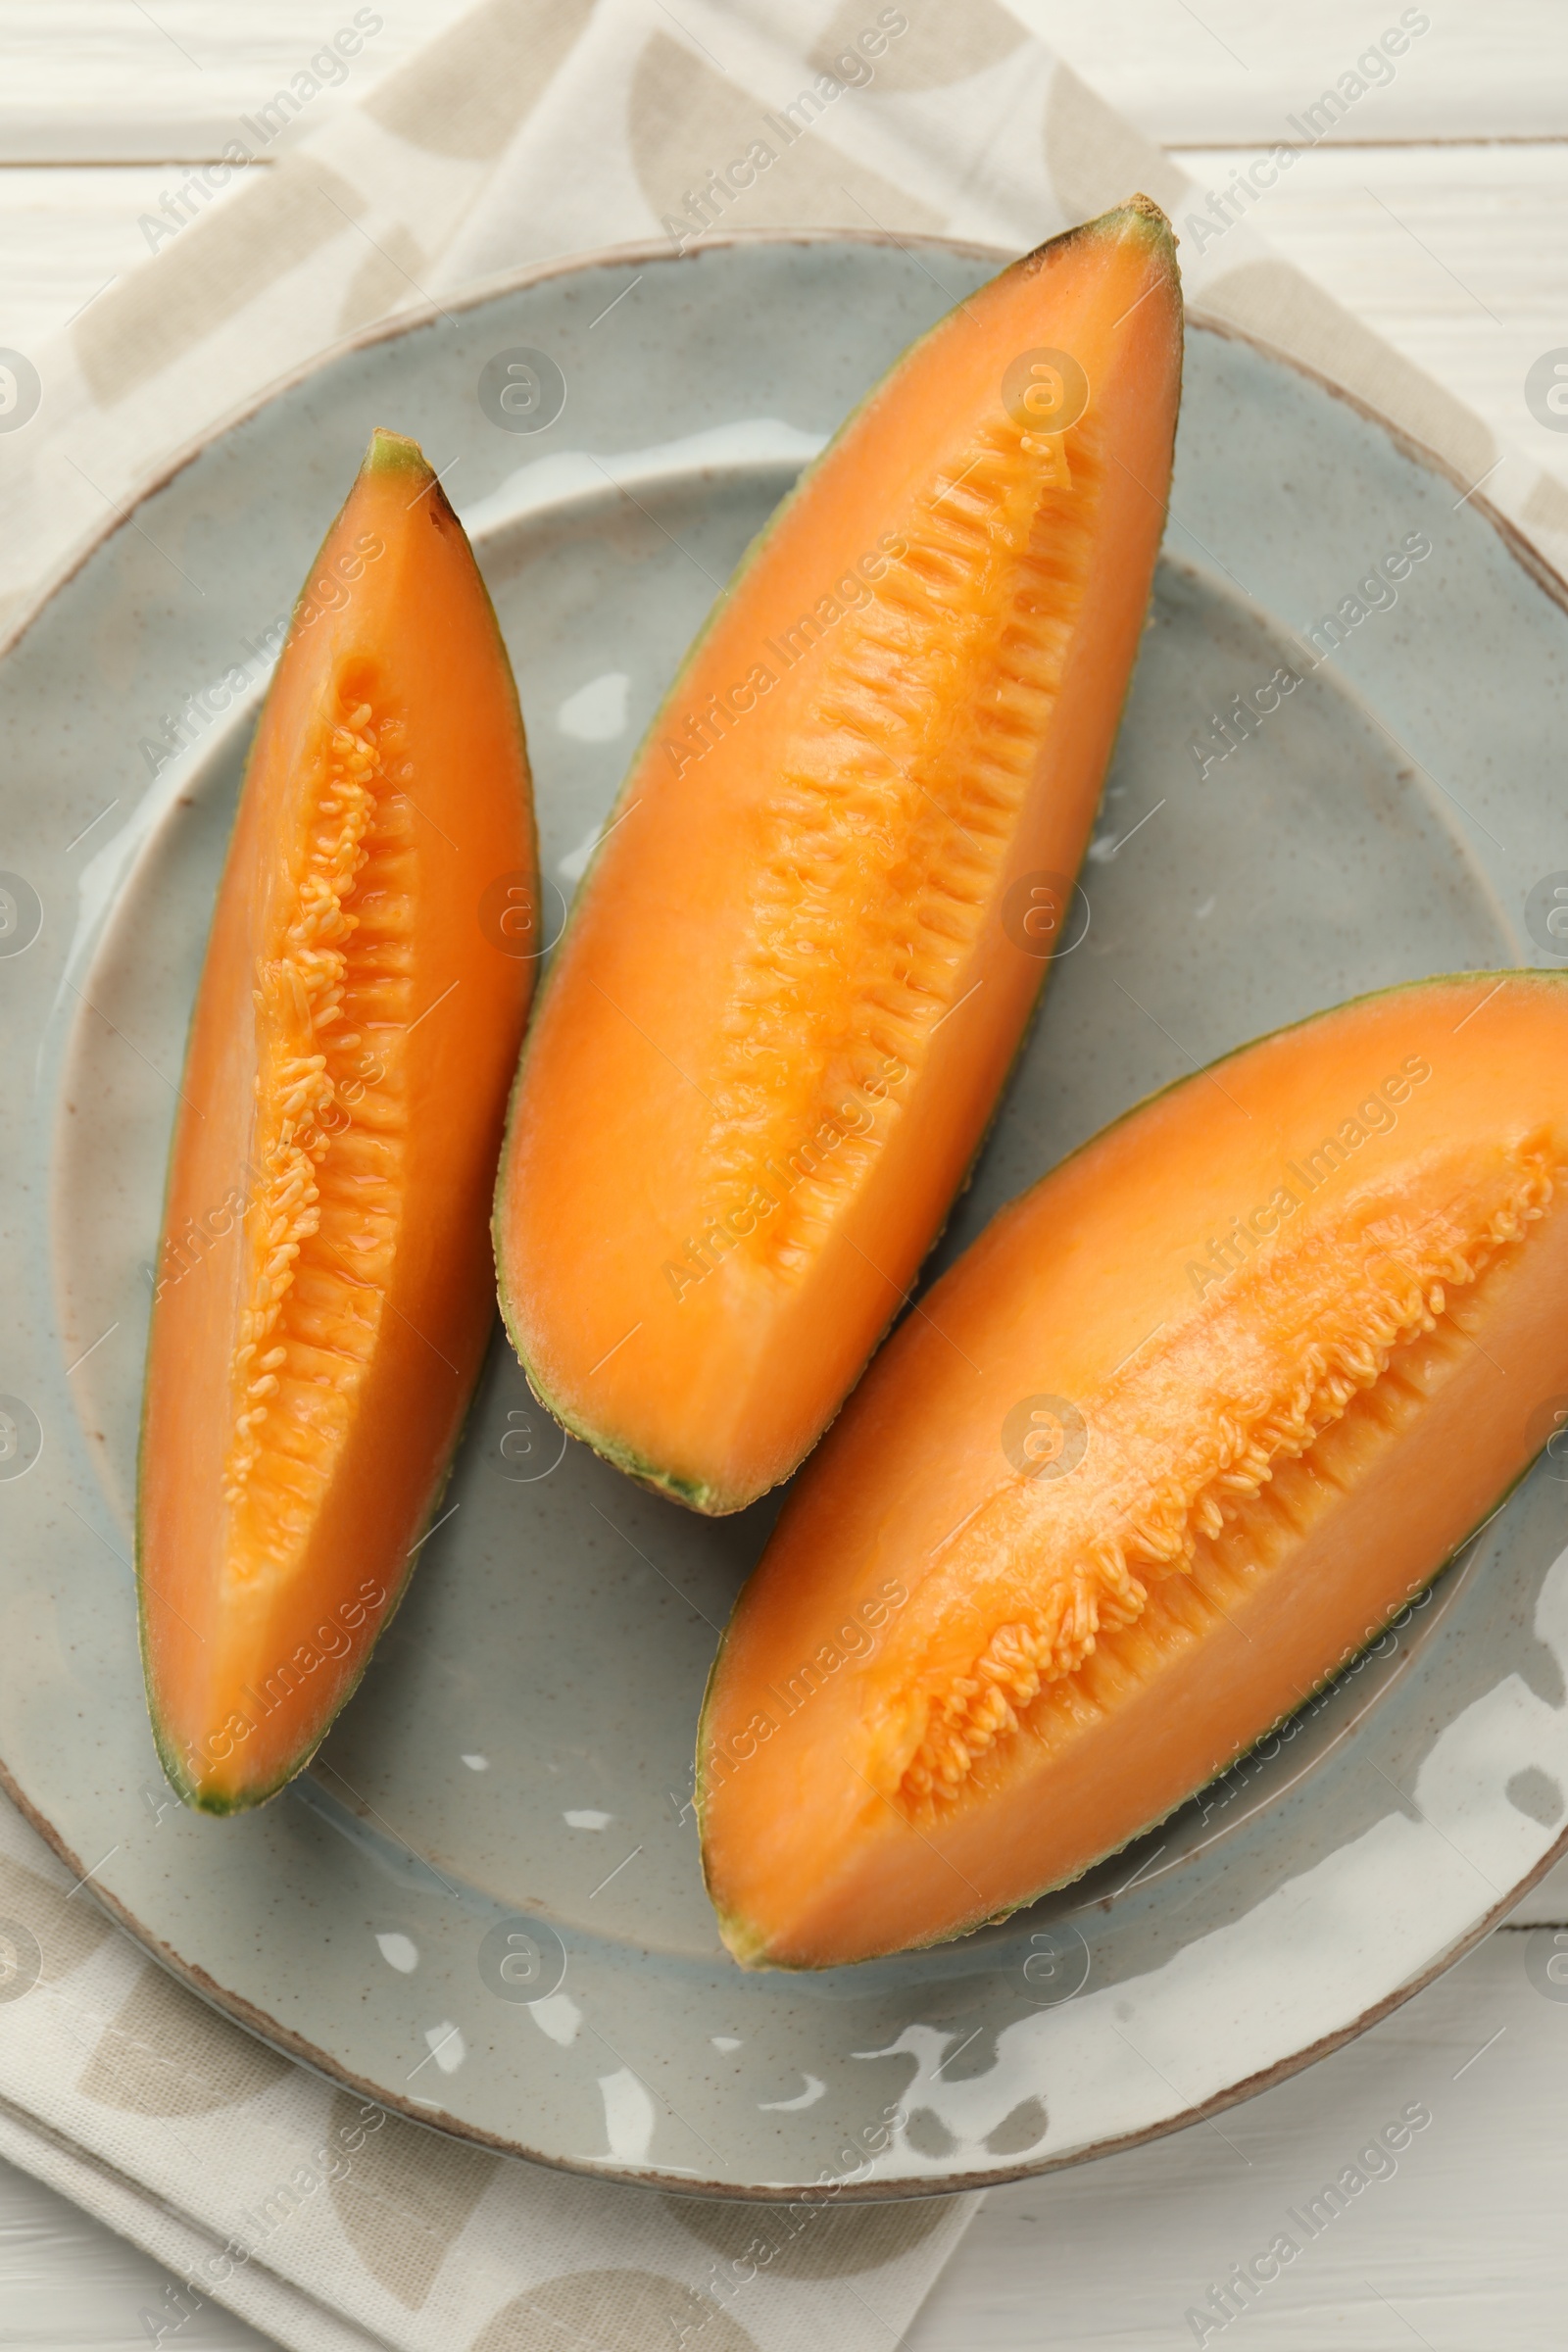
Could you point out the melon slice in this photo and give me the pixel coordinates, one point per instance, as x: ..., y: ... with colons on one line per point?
x: 323, y: 1294
x: 1163, y: 1451
x: 799, y: 966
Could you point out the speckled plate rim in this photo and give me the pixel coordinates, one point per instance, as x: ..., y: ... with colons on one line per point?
x: 236, y: 2006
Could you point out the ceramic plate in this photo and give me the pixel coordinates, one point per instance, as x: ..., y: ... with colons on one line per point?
x: 482, y: 1905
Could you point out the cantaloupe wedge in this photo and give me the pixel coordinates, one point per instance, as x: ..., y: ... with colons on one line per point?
x: 1163, y: 1451
x: 799, y: 968
x: 323, y: 1294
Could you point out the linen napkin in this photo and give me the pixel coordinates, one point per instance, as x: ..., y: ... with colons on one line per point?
x: 336, y: 2227
x: 528, y: 130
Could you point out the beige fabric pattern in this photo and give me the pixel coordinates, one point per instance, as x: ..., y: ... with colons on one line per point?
x: 400, y: 2212
x: 614, y: 2311
x: 822, y: 2245
x: 162, y: 2053
x: 1287, y: 310
x: 687, y: 121
x: 530, y: 130
x: 1095, y: 156
x: 948, y: 40
x: 66, y: 1929
x: 469, y: 99
x: 138, y: 330
x: 335, y: 2226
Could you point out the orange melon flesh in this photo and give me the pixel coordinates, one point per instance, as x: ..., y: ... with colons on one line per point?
x: 795, y: 978
x: 1166, y: 1447
x: 324, y: 1296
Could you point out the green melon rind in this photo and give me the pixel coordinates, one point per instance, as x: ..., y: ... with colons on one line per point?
x: 747, y: 1946
x: 696, y: 1495
x: 387, y: 452
x: 394, y: 453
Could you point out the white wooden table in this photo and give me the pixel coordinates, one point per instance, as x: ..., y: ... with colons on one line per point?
x: 1443, y: 217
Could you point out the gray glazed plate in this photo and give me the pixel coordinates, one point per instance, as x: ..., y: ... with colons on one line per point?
x: 482, y: 1905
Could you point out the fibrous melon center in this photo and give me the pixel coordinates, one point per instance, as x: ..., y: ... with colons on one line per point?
x: 894, y: 812
x: 1210, y: 1454
x: 322, y: 1186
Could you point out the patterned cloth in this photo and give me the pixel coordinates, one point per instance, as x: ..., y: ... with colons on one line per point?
x: 530, y: 130
x: 336, y: 2227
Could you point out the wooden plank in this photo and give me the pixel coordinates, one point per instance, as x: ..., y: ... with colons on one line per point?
x: 68, y: 233
x: 1548, y: 1902
x: 109, y: 81
x: 1459, y: 255
x: 1209, y: 73
x: 1463, y: 2247
x: 103, y: 81
x: 68, y: 2282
